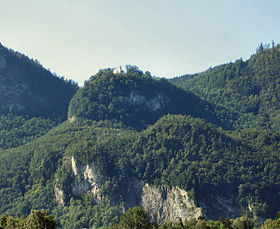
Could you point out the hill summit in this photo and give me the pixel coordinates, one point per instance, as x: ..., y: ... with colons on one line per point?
x: 134, y: 98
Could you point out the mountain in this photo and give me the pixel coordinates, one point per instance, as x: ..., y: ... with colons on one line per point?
x: 28, y: 89
x: 32, y: 99
x: 249, y: 87
x: 132, y: 139
x: 178, y: 167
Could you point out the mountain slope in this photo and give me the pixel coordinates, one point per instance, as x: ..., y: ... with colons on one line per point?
x: 138, y: 100
x: 132, y: 140
x: 28, y: 89
x: 19, y: 130
x: 98, y: 164
x: 251, y: 87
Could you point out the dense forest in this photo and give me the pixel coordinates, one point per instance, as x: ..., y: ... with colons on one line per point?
x: 250, y: 87
x: 136, y: 218
x: 29, y: 89
x: 131, y: 136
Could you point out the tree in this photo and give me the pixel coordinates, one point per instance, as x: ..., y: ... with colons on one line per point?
x: 40, y: 219
x: 243, y: 223
x: 134, y: 218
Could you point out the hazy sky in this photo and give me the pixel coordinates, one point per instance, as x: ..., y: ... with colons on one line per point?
x: 76, y: 38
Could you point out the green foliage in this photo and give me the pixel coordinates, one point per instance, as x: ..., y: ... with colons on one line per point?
x: 125, y: 128
x: 271, y: 224
x: 19, y: 130
x: 134, y: 218
x: 176, y: 151
x: 40, y: 219
x: 85, y: 213
x: 37, y: 219
x: 250, y: 87
x: 136, y: 99
x: 29, y: 89
x: 243, y: 223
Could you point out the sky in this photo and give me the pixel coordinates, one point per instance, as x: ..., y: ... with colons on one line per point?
x: 76, y: 38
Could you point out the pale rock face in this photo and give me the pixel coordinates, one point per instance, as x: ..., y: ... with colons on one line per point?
x: 3, y: 63
x: 165, y: 204
x: 161, y: 203
x: 87, y: 179
x: 153, y: 104
x: 74, y: 166
x: 58, y: 195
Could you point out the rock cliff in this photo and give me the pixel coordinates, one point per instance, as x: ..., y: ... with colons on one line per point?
x: 161, y: 203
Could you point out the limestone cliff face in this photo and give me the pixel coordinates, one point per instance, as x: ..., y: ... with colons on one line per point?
x: 59, y: 195
x: 87, y: 179
x: 161, y: 203
x: 168, y: 204
x: 153, y: 104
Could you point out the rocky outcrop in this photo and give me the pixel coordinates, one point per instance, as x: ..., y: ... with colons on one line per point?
x: 168, y: 204
x: 153, y: 104
x: 87, y: 179
x: 59, y: 195
x: 161, y: 203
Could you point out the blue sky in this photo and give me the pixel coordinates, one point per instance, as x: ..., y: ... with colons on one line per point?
x: 76, y: 38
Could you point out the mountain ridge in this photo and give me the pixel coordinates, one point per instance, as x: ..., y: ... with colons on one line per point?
x: 250, y: 87
x: 29, y: 89
x: 131, y: 139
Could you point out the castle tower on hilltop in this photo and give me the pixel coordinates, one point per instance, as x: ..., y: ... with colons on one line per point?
x: 118, y: 70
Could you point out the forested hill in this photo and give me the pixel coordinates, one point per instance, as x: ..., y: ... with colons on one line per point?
x: 138, y: 100
x: 251, y: 87
x: 132, y: 139
x: 26, y: 88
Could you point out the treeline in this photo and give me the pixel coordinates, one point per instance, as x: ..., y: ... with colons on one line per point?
x: 37, y: 219
x: 136, y: 218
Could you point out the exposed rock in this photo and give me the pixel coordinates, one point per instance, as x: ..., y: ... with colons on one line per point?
x: 59, y: 195
x: 161, y: 203
x: 134, y: 193
x: 220, y: 205
x: 87, y: 179
x: 74, y: 167
x: 153, y: 104
x: 168, y: 204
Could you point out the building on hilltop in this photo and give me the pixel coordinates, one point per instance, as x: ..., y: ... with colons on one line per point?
x: 118, y: 70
